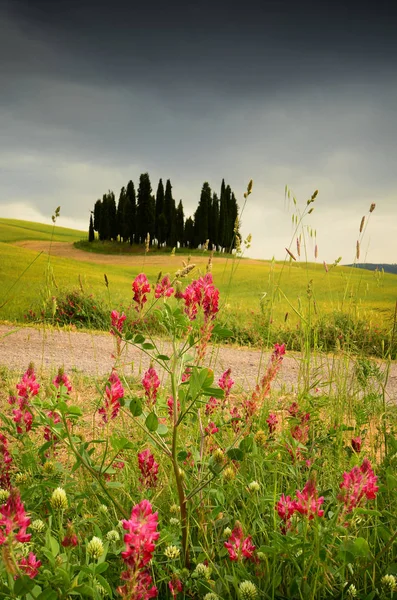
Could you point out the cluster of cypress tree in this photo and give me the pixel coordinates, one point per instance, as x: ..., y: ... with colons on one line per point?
x: 140, y: 213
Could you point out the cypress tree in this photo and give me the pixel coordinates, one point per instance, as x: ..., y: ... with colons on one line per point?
x: 91, y: 232
x: 189, y: 233
x: 130, y: 212
x: 145, y: 213
x: 179, y: 223
x: 203, y: 214
x: 169, y: 212
x: 160, y: 223
x: 122, y: 228
x: 222, y: 217
x: 97, y: 215
x: 214, y: 222
x: 233, y: 214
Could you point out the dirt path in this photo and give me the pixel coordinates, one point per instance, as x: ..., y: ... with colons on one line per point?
x: 68, y: 250
x: 91, y: 354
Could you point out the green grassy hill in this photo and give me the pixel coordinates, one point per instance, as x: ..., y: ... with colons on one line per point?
x: 256, y: 296
x: 13, y: 230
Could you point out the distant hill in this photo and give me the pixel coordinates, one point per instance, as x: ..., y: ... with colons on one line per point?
x: 376, y: 267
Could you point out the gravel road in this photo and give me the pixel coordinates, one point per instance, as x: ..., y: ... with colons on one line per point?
x: 91, y: 354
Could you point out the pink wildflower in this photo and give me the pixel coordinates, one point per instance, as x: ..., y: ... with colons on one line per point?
x: 140, y: 545
x: 54, y: 418
x: 23, y: 420
x: 112, y: 401
x: 272, y: 422
x: 175, y: 586
x: 226, y: 383
x: 140, y: 287
x: 186, y: 374
x: 30, y: 565
x: 164, y: 289
x: 5, y: 463
x: 285, y: 507
x: 293, y: 409
x: 151, y: 383
x: 28, y: 386
x: 239, y: 547
x: 13, y: 520
x: 170, y: 404
x: 70, y: 540
x: 308, y: 502
x: 262, y: 389
x: 117, y: 321
x: 148, y: 468
x: 62, y: 380
x: 356, y: 444
x: 236, y: 419
x: 211, y: 406
x: 211, y: 428
x: 201, y: 293
x: 357, y: 485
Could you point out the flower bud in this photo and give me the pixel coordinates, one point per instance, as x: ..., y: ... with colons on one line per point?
x: 95, y: 548
x: 59, y: 499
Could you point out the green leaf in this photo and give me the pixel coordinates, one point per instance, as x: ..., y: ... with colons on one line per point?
x: 147, y: 346
x: 136, y: 407
x: 215, y: 392
x: 128, y: 336
x: 162, y: 357
x: 247, y: 443
x: 182, y: 455
x: 120, y: 443
x: 221, y: 332
x: 101, y: 568
x: 47, y: 594
x: 139, y: 339
x: 162, y: 429
x: 152, y: 422
x: 74, y: 411
x: 235, y: 454
x: 23, y: 585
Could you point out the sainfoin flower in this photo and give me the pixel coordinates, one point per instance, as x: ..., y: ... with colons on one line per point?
x: 170, y: 404
x: 163, y: 289
x: 307, y: 503
x: 148, y: 468
x: 262, y: 389
x: 114, y: 393
x: 30, y: 565
x: 28, y: 387
x: 238, y: 546
x: 117, y: 321
x: 5, y: 463
x: 140, y: 545
x: 151, y: 383
x: 201, y: 293
x: 175, y: 586
x: 54, y: 418
x: 211, y: 428
x: 13, y: 520
x: 226, y: 383
x: 140, y: 287
x: 357, y: 485
x: 356, y: 444
x: 62, y: 380
x: 272, y: 422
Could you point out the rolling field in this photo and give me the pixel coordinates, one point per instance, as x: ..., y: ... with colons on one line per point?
x: 251, y: 291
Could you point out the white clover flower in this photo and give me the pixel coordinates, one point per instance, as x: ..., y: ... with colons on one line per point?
x: 103, y: 508
x: 227, y: 532
x: 202, y: 571
x: 248, y: 590
x: 95, y: 548
x: 211, y: 596
x: 4, y: 495
x: 112, y: 536
x: 351, y: 591
x: 59, y: 499
x: 172, y: 552
x: 254, y: 486
x: 38, y: 525
x: 174, y: 522
x: 390, y: 582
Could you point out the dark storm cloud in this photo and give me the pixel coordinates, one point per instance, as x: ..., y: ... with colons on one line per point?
x: 268, y: 45
x: 94, y: 93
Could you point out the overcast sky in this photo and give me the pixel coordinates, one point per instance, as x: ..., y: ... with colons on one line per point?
x: 94, y: 93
